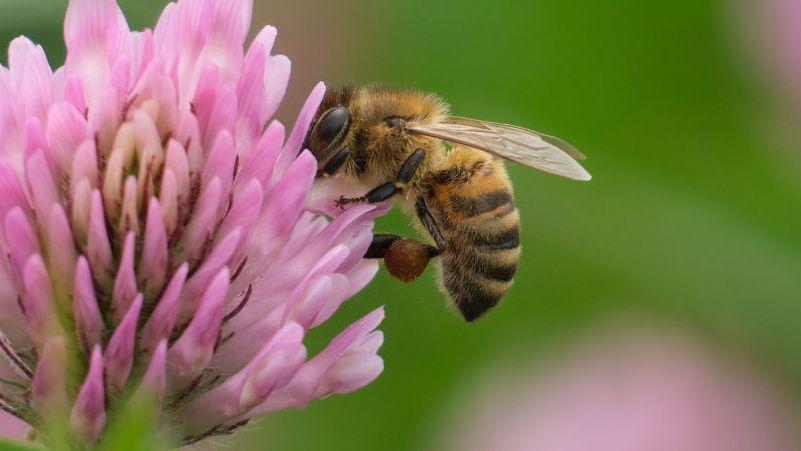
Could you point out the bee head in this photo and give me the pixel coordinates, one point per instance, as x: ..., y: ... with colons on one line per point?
x: 331, y: 125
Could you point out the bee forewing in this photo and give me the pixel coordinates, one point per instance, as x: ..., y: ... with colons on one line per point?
x: 526, y: 147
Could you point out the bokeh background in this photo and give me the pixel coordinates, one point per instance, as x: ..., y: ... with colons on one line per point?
x: 692, y: 223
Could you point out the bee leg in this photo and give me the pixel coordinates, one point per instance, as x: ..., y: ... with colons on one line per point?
x: 387, y: 190
x: 404, y: 258
x: 428, y: 222
x: 382, y: 242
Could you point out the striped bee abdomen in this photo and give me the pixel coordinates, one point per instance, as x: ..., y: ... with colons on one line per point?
x: 473, y: 205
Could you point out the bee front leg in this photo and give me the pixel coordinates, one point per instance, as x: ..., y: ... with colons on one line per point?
x: 387, y: 190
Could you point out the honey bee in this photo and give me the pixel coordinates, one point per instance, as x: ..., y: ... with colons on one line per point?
x: 447, y: 173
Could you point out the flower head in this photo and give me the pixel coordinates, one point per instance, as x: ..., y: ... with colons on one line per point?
x: 772, y: 27
x: 157, y: 236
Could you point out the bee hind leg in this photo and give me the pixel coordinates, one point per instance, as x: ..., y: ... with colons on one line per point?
x: 382, y: 242
x: 386, y: 190
x: 404, y: 258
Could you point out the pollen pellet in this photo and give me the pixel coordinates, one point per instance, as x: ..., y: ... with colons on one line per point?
x: 406, y: 259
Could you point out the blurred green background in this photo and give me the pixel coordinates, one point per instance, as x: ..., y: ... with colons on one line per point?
x: 692, y: 219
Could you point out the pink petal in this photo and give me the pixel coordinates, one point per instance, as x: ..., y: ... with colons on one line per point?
x: 205, y: 99
x: 272, y: 368
x: 283, y: 207
x: 39, y: 303
x: 119, y: 160
x: 276, y: 80
x: 98, y: 248
x: 11, y: 192
x: 188, y: 133
x: 220, y: 162
x: 88, y: 415
x: 154, y: 382
x: 251, y: 97
x: 358, y: 243
x: 73, y: 93
x: 261, y: 161
x: 200, y: 227
x: 244, y: 211
x: 35, y: 140
x: 81, y: 208
x: 125, y: 288
x: 41, y: 184
x: 165, y: 31
x: 88, y: 319
x: 20, y: 238
x: 169, y: 200
x: 48, y: 390
x: 96, y: 34
x: 325, y: 265
x: 120, y: 76
x: 60, y: 249
x: 151, y: 153
x: 361, y: 275
x: 323, y: 196
x: 223, y: 116
x: 161, y: 322
x: 266, y: 38
x: 12, y: 427
x: 32, y: 77
x: 313, y: 300
x: 339, y: 231
x: 220, y: 256
x: 340, y: 291
x: 66, y: 130
x: 225, y: 27
x: 120, y: 349
x: 143, y: 50
x: 10, y: 121
x: 177, y: 163
x: 129, y: 213
x: 83, y: 181
x: 159, y: 90
x: 283, y: 284
x: 84, y: 164
x: 245, y: 342
x: 193, y: 350
x: 153, y: 262
x: 333, y: 369
x: 352, y: 372
x: 105, y: 117
x: 298, y: 135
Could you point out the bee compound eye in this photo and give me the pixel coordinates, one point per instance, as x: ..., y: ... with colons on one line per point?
x: 333, y: 124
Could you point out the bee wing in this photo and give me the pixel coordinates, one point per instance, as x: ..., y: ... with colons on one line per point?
x: 526, y: 147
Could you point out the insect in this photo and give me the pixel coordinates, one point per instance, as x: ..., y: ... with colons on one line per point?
x: 446, y: 172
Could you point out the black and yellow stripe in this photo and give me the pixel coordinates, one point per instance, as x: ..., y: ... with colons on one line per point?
x: 473, y: 205
x: 477, y: 272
